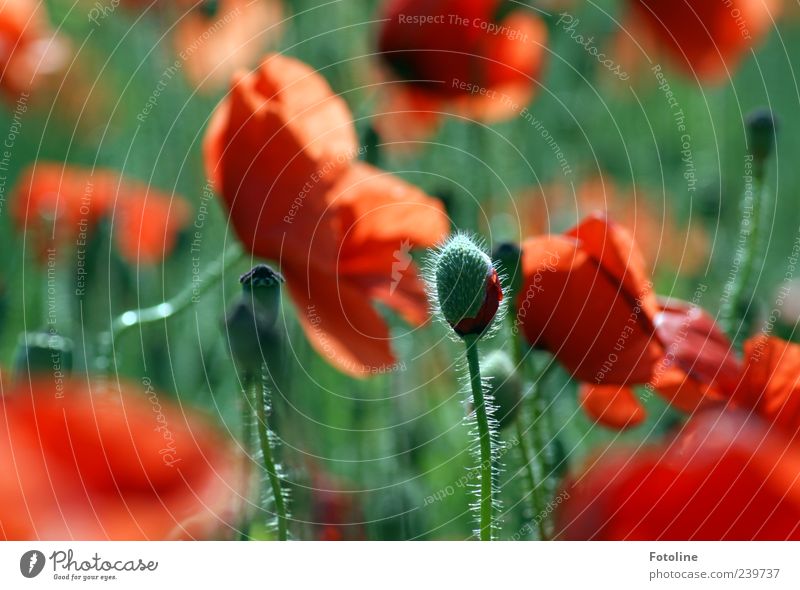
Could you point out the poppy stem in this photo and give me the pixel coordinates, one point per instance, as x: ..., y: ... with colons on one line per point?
x: 760, y: 142
x: 258, y: 389
x: 485, y: 438
x: 529, y: 469
x: 247, y: 443
x: 201, y: 283
x: 748, y: 254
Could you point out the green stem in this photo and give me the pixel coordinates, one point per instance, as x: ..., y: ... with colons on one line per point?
x: 127, y: 320
x: 485, y: 437
x: 541, y: 434
x: 247, y: 441
x: 538, y: 434
x: 259, y: 399
x: 529, y: 469
x: 736, y: 289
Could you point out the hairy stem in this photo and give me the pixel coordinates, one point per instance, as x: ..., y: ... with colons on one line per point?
x: 257, y: 389
x: 750, y: 254
x: 485, y: 438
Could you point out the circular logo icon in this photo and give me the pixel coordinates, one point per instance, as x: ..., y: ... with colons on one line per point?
x: 31, y: 563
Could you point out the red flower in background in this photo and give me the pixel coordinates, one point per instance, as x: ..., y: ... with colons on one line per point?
x: 147, y: 223
x: 56, y: 202
x: 665, y: 243
x: 726, y: 476
x: 770, y: 385
x: 474, y: 57
x: 705, y: 38
x: 84, y: 460
x: 59, y: 204
x: 241, y: 31
x: 280, y: 151
x: 587, y: 300
x: 336, y: 513
x: 29, y: 51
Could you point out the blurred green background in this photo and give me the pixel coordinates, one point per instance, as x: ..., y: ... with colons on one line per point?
x: 394, y: 440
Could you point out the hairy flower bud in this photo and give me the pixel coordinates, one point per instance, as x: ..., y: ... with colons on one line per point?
x: 467, y: 286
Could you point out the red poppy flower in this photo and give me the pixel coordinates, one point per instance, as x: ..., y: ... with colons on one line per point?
x: 147, y: 223
x: 28, y: 49
x: 455, y: 55
x: 726, y: 476
x: 586, y: 299
x: 55, y: 202
x: 705, y: 38
x: 280, y: 151
x: 698, y: 369
x: 60, y: 204
x: 85, y: 460
x: 771, y: 382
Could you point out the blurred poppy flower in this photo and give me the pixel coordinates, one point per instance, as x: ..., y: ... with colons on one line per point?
x: 29, y: 51
x: 699, y: 368
x: 665, y: 244
x: 335, y: 511
x: 215, y: 39
x: 587, y: 300
x: 56, y: 203
x: 725, y: 476
x: 85, y: 460
x: 479, y: 58
x: 771, y: 382
x: 705, y: 39
x: 147, y: 223
x: 59, y: 204
x: 280, y: 150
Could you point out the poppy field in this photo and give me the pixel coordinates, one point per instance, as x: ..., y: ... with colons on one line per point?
x: 510, y: 270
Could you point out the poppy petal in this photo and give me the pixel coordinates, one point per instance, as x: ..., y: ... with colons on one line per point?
x: 611, y: 405
x: 339, y: 321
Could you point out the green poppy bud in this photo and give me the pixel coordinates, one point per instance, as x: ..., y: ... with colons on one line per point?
x: 468, y: 289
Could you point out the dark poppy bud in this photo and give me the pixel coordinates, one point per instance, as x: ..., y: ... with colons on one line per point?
x: 43, y: 353
x: 761, y: 126
x: 263, y: 286
x: 250, y: 321
x: 209, y: 8
x: 509, y: 255
x: 468, y: 290
x: 504, y: 385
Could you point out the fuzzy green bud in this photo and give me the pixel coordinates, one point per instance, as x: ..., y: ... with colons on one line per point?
x: 467, y: 286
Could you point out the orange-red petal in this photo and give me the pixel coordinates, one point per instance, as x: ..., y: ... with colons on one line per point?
x: 612, y: 405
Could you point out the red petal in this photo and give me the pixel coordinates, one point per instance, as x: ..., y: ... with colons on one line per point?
x: 612, y: 405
